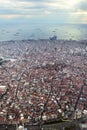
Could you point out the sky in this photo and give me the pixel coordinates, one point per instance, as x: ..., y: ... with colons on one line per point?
x: 44, y: 11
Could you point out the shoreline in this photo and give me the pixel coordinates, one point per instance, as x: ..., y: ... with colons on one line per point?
x: 48, y: 39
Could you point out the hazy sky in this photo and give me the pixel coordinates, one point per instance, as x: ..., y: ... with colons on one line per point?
x: 44, y: 11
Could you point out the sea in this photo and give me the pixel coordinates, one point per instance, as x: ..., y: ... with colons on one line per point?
x: 24, y: 31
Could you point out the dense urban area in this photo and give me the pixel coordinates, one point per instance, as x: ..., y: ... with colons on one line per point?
x: 42, y: 80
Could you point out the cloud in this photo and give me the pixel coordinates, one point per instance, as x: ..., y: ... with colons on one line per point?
x: 80, y: 12
x: 8, y: 16
x: 23, y: 5
x: 44, y: 10
x: 82, y: 5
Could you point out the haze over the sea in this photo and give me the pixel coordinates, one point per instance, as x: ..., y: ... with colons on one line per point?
x: 25, y: 19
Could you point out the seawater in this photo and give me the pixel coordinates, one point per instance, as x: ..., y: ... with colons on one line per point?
x: 21, y: 31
